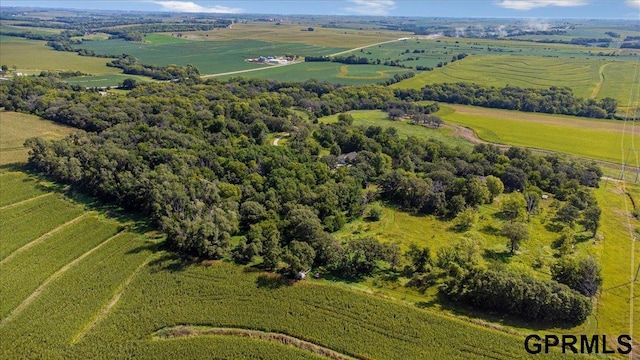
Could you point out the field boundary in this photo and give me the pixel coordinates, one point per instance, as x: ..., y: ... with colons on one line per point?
x: 189, y: 331
x: 43, y: 237
x: 24, y: 201
x: 595, y: 92
x: 26, y: 302
x: 114, y: 300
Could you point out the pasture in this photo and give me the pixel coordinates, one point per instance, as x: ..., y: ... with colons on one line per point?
x: 32, y: 57
x: 581, y: 137
x: 16, y: 127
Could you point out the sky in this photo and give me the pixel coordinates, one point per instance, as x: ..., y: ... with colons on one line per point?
x: 586, y: 9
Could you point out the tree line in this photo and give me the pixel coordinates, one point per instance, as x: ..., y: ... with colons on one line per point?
x: 554, y: 100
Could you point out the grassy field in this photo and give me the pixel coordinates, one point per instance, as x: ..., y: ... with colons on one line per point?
x: 325, y: 71
x: 16, y: 127
x: 587, y: 138
x: 32, y: 57
x: 404, y: 128
x: 619, y: 258
x: 293, y: 33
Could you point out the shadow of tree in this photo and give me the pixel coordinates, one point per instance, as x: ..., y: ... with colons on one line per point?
x: 273, y: 281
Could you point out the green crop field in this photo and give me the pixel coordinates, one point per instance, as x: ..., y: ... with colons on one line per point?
x: 418, y: 51
x: 403, y: 128
x: 587, y: 78
x: 291, y: 33
x: 16, y: 187
x: 16, y: 127
x: 210, y: 57
x: 586, y: 138
x: 50, y: 212
x: 32, y: 57
x: 325, y: 71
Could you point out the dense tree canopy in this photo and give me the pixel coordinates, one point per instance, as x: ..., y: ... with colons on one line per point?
x: 194, y: 156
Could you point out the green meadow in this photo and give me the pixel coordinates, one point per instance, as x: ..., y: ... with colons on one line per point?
x: 403, y: 128
x: 585, y: 138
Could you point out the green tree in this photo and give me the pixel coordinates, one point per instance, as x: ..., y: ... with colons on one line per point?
x: 374, y: 212
x: 568, y: 214
x: 419, y: 258
x: 583, y: 275
x: 299, y: 256
x: 495, y: 186
x: 591, y: 219
x: 532, y: 196
x: 466, y: 219
x: 129, y: 84
x: 516, y: 232
x: 514, y: 207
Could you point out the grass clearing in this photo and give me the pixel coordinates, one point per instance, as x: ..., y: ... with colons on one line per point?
x: 17, y: 127
x: 586, y: 138
x: 106, y: 80
x: 404, y: 128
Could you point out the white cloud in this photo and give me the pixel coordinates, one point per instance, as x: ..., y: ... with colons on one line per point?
x: 633, y: 3
x: 189, y: 6
x: 532, y: 4
x: 371, y: 7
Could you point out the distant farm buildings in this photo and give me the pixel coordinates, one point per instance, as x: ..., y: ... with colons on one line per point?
x: 273, y: 60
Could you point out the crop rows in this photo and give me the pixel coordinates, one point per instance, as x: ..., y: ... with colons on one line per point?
x: 30, y: 220
x: 17, y: 187
x: 22, y: 274
x: 70, y: 303
x: 581, y: 75
x: 169, y: 294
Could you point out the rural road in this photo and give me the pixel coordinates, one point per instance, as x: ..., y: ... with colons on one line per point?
x: 277, y: 140
x: 294, y: 63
